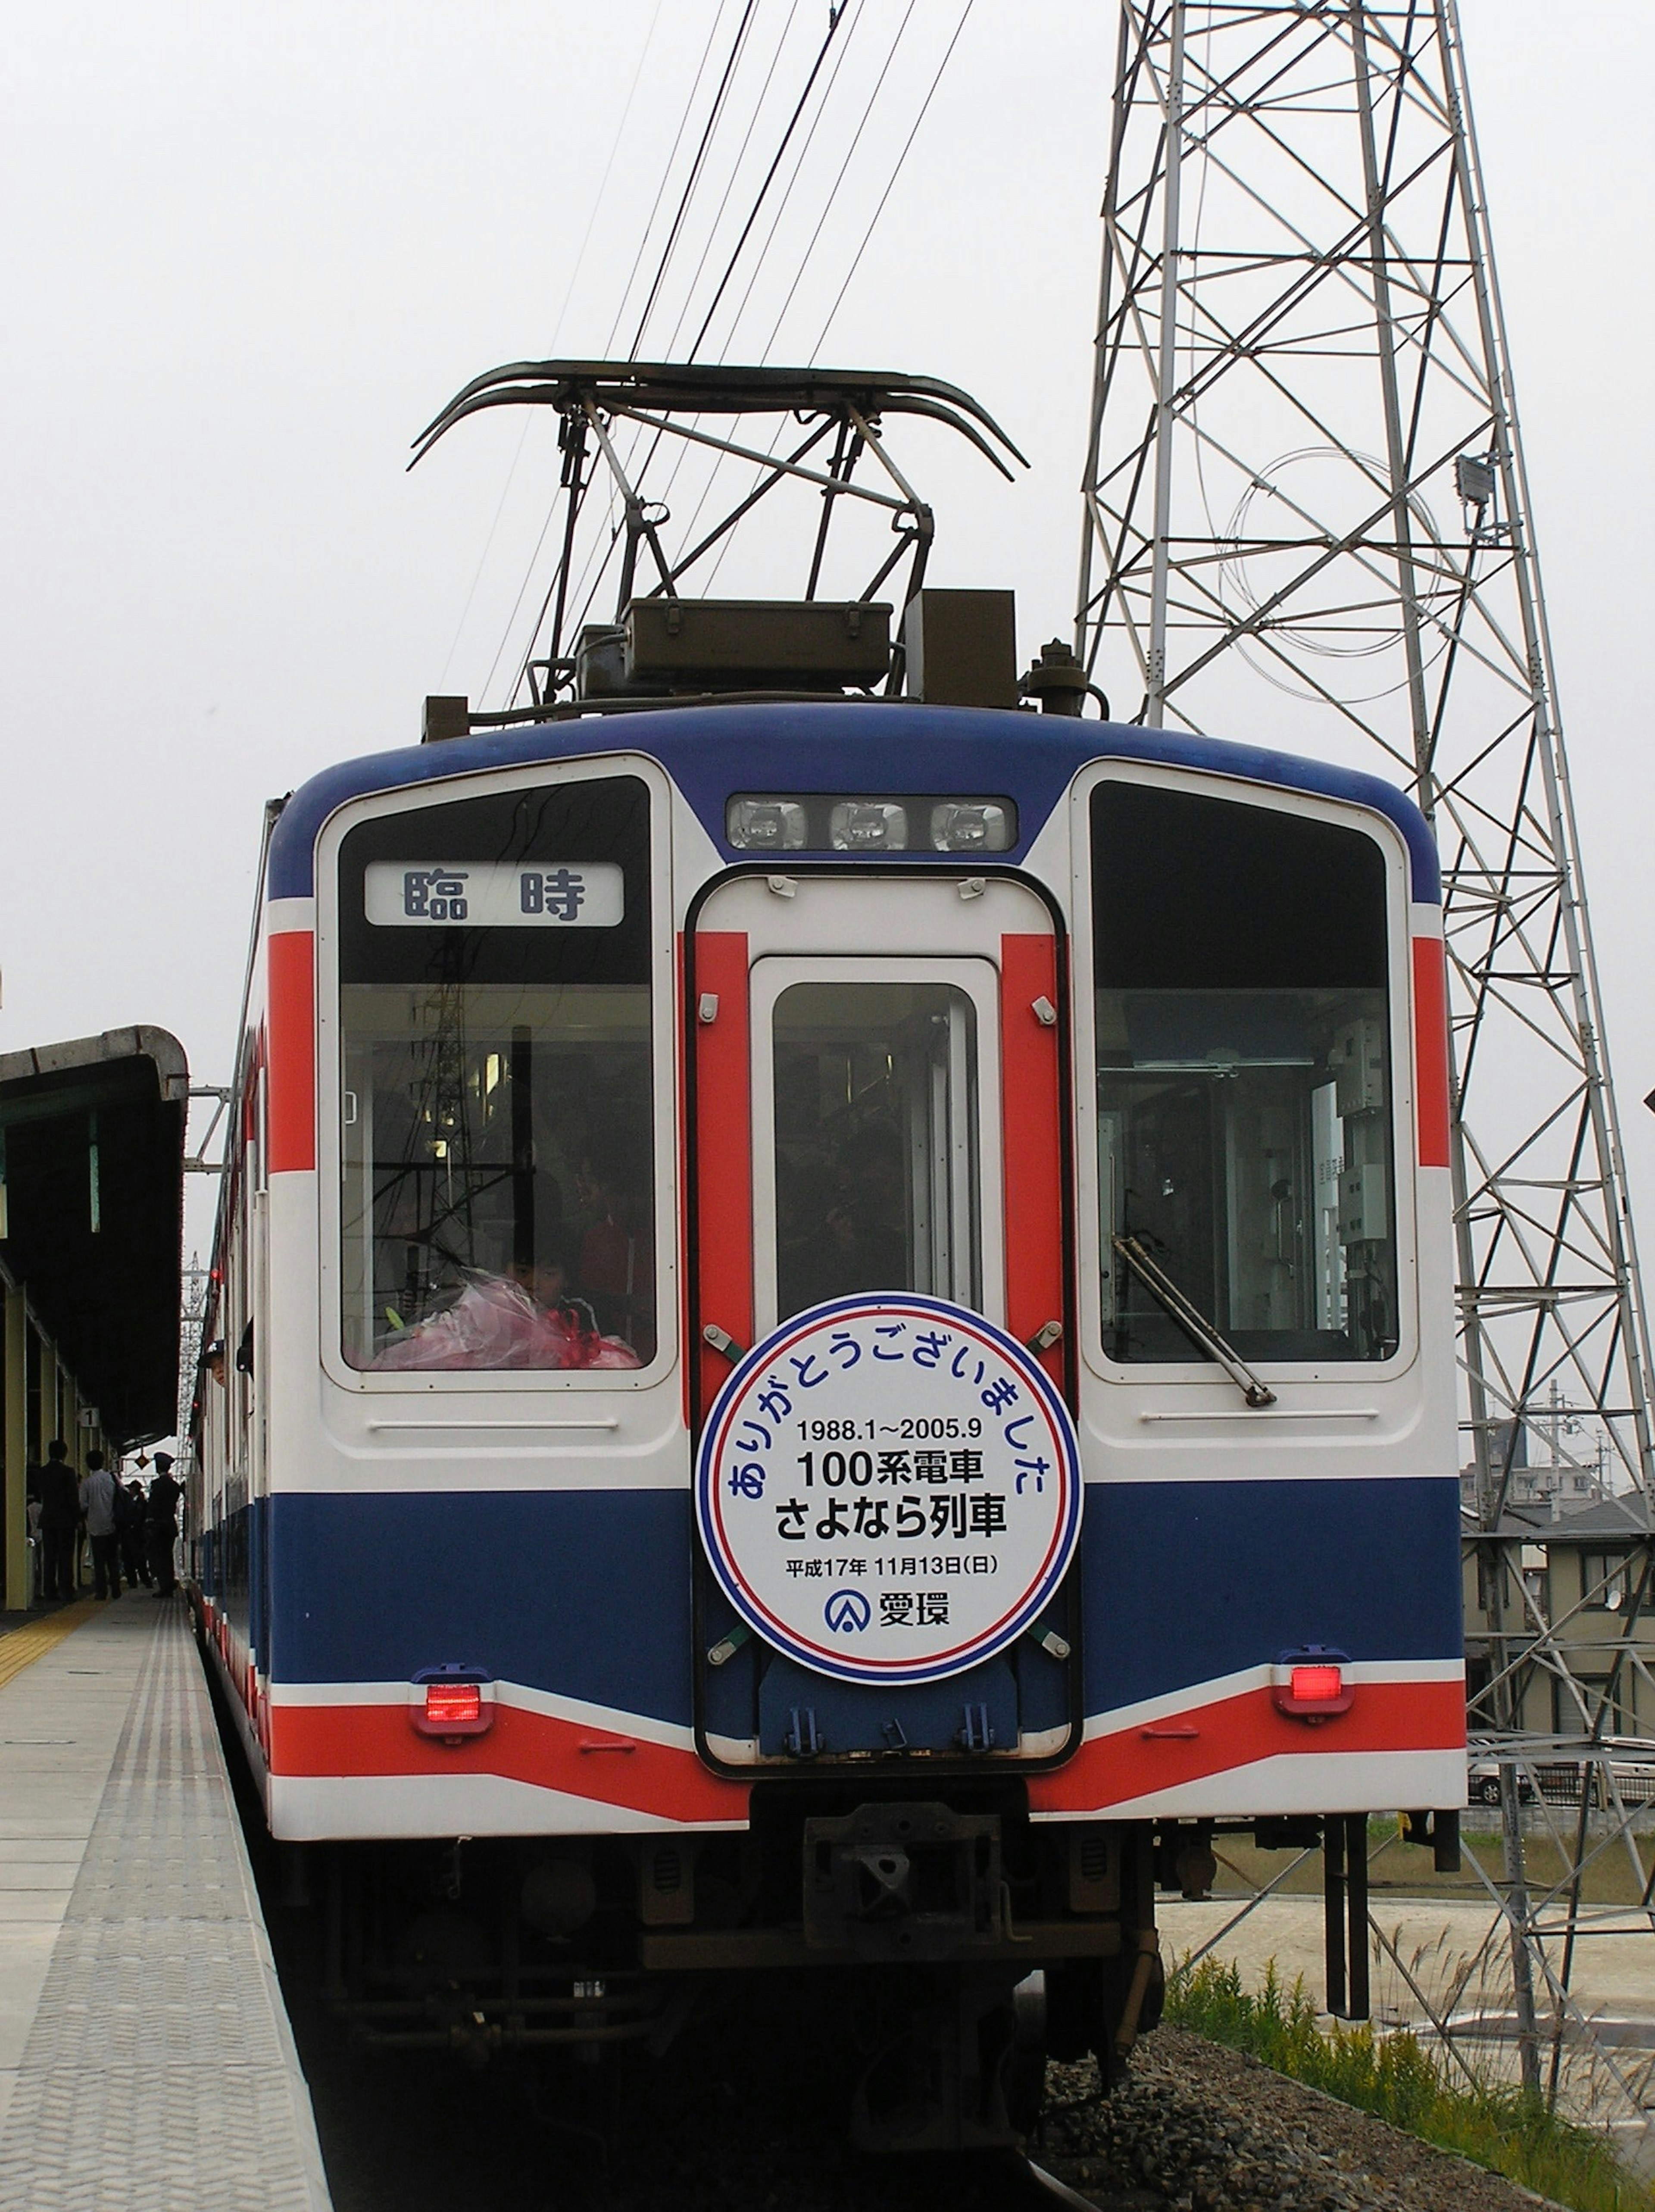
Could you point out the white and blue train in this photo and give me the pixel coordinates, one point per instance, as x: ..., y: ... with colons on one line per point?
x: 837, y: 1343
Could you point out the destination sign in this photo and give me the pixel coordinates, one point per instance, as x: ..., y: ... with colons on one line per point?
x: 495, y: 894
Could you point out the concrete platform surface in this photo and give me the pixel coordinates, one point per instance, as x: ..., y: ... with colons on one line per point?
x: 145, y: 2055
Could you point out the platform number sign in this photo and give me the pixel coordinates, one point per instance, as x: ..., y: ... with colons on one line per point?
x: 888, y: 1489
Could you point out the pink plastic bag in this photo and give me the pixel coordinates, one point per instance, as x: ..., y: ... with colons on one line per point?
x: 495, y: 1323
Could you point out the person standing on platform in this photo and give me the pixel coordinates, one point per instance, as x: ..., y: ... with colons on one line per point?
x: 162, y: 1524
x: 32, y: 1494
x: 129, y: 1530
x: 60, y: 1521
x: 98, y: 1504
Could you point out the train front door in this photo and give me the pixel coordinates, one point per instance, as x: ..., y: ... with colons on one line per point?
x: 868, y: 1119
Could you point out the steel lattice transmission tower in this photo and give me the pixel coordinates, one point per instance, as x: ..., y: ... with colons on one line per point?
x: 1307, y: 524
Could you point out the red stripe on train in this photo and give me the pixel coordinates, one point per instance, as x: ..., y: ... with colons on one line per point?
x: 292, y: 1051
x: 723, y: 1164
x: 1239, y: 1731
x: 1031, y: 1109
x: 1431, y: 1050
x: 538, y: 1748
x: 547, y: 1753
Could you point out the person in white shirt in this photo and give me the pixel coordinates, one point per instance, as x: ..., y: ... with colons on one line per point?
x: 98, y: 1504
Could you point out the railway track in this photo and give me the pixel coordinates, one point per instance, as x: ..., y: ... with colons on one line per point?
x: 1049, y: 2189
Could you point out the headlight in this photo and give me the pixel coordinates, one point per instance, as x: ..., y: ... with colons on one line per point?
x: 835, y: 822
x: 972, y: 825
x: 765, y: 825
x: 868, y: 825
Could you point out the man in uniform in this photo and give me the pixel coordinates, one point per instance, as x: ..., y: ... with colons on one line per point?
x: 162, y: 1524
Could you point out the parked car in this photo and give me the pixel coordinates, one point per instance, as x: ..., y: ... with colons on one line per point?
x: 1484, y: 1782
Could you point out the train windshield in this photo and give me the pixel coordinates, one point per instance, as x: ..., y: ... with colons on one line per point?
x: 497, y: 1157
x: 1243, y: 1080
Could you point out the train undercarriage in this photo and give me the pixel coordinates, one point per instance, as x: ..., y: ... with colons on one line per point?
x: 940, y: 1950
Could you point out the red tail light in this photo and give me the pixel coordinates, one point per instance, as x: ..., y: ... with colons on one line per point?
x: 451, y: 1709
x: 1316, y: 1686
x: 1313, y: 1685
x: 448, y: 1705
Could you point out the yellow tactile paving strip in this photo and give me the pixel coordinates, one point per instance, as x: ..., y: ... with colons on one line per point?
x: 22, y: 1647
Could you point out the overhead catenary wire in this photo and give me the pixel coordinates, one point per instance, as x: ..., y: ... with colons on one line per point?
x: 667, y: 167
x: 816, y: 233
x: 694, y: 176
x: 697, y: 169
x: 684, y: 309
x: 686, y: 305
x: 786, y: 197
x: 804, y: 261
x: 902, y: 158
x: 724, y: 102
x: 890, y: 186
x: 556, y: 332
x: 879, y: 211
x: 666, y: 170
x: 833, y: 189
x: 836, y: 17
x: 609, y: 165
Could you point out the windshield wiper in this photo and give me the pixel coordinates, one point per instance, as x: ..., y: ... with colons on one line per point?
x: 1161, y: 1287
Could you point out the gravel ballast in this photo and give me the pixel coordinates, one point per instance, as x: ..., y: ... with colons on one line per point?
x: 1198, y: 2128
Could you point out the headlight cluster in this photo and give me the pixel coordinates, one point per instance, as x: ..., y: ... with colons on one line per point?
x: 827, y: 824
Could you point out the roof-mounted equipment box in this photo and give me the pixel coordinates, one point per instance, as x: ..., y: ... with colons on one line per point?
x: 747, y: 645
x: 961, y: 649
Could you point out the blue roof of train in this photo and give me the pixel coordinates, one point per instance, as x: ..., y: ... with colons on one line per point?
x: 837, y: 746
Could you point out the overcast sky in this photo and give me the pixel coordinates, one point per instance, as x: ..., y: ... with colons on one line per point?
x: 249, y: 251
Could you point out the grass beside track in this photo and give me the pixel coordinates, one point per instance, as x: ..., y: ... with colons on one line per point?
x: 1394, y: 2077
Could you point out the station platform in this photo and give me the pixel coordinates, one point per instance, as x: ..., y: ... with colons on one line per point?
x: 145, y: 2055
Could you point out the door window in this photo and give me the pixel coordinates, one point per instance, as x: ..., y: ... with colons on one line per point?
x: 877, y: 1146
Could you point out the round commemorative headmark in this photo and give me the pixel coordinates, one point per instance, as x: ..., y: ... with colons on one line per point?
x: 888, y: 1489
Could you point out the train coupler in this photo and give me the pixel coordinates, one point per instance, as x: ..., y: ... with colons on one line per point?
x: 903, y: 1881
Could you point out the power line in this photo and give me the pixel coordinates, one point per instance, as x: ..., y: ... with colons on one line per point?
x: 832, y: 195
x: 690, y: 182
x: 715, y: 115
x: 798, y: 169
x: 600, y: 552
x: 838, y: 15
x: 730, y: 182
x: 666, y: 170
x: 637, y: 263
x: 603, y: 186
x: 833, y: 189
x: 895, y: 173
x: 556, y: 332
x: 683, y: 451
x: 835, y: 18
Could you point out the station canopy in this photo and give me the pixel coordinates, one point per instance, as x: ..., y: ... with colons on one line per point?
x: 92, y: 1214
